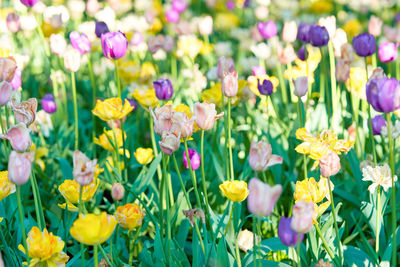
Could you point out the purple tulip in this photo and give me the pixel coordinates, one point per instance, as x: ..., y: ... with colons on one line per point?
x: 384, y: 94
x: 377, y: 123
x: 194, y: 158
x: 114, y: 44
x: 179, y: 5
x: 29, y: 3
x: 133, y: 103
x: 267, y: 29
x: 397, y: 17
x: 16, y: 80
x: 319, y: 36
x: 388, y: 52
x: 303, y: 33
x: 230, y: 5
x: 80, y: 42
x: 49, y: 104
x: 287, y: 236
x: 163, y: 88
x: 364, y: 44
x: 302, y: 53
x: 172, y: 16
x: 101, y: 27
x: 266, y: 88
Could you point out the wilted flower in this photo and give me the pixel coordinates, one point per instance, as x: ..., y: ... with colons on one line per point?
x: 19, y: 167
x: 302, y: 218
x: 319, y: 36
x: 44, y: 247
x: 129, y: 216
x: 117, y: 191
x: 49, y: 104
x: 163, y: 89
x: 169, y: 143
x: 379, y: 176
x: 19, y: 137
x: 289, y: 31
x: 229, y: 85
x: 286, y: 235
x: 235, y: 191
x: 162, y: 117
x: 388, y: 51
x: 84, y: 168
x: 261, y: 157
x: 245, y: 240
x: 377, y: 123
x: 300, y: 86
x: 6, y: 187
x: 72, y: 60
x: 194, y: 158
x: 267, y: 29
x: 329, y: 164
x: 144, y: 155
x: 375, y: 26
x: 384, y: 94
x: 5, y: 93
x: 8, y: 66
x: 70, y: 190
x: 262, y: 197
x: 364, y: 44
x: 80, y: 42
x: 192, y: 214
x: 112, y: 109
x: 114, y: 44
x: 92, y: 229
x: 181, y: 124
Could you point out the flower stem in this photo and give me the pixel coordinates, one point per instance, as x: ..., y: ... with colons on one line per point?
x: 117, y: 78
x: 104, y: 255
x: 75, y: 109
x: 96, y: 259
x: 298, y: 250
x: 255, y: 245
x: 153, y: 142
x: 328, y: 250
x: 230, y: 218
x: 38, y: 206
x: 93, y: 83
x: 167, y: 204
x: 334, y: 221
x: 21, y: 220
x: 229, y: 139
x: 193, y: 175
x: 124, y: 148
x: 378, y: 215
x: 81, y: 211
x: 371, y: 134
x: 282, y: 84
x: 332, y: 68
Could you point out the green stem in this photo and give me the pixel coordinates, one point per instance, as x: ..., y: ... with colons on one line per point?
x: 114, y: 143
x: 105, y: 255
x: 37, y: 205
x: 41, y: 35
x: 21, y: 220
x: 239, y: 262
x: 328, y: 250
x: 93, y: 83
x: 124, y: 148
x: 333, y: 77
x: 282, y: 84
x: 96, y: 259
x: 181, y: 181
x: 81, y: 211
x: 153, y: 142
x: 117, y: 78
x: 298, y: 249
x: 229, y: 140
x: 75, y: 109
x: 193, y: 175
x: 335, y: 221
x: 258, y: 225
x: 230, y: 218
x: 378, y: 212
x: 165, y: 162
x: 254, y: 241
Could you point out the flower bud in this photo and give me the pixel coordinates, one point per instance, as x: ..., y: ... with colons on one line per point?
x: 267, y: 29
x: 262, y: 197
x: 302, y: 53
x: 300, y: 86
x: 388, y: 51
x: 245, y: 240
x: 225, y: 65
x: 8, y: 66
x: 19, y: 137
x: 289, y: 31
x: 377, y: 123
x: 13, y: 22
x: 100, y: 28
x: 84, y: 168
x: 163, y: 88
x: 144, y: 155
x: 80, y: 42
x: 179, y: 5
x: 194, y: 158
x: 49, y: 104
x: 206, y: 115
x: 261, y: 157
x: 266, y: 88
x: 117, y: 191
x: 29, y: 3
x: 206, y: 25
x: 19, y: 167
x: 172, y: 16
x: 169, y: 143
x: 72, y: 60
x: 5, y: 93
x: 375, y: 26
x: 302, y: 216
x: 364, y: 44
x: 230, y: 84
x: 329, y: 164
x: 286, y: 235
x: 58, y: 45
x: 114, y: 44
x: 319, y: 36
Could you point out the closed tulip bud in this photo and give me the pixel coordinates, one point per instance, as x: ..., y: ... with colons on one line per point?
x: 388, y: 51
x: 342, y: 71
x: 225, y: 65
x: 364, y: 44
x: 267, y: 29
x: 230, y: 84
x: 235, y: 190
x: 300, y: 86
x: 329, y: 164
x: 144, y: 155
x: 245, y: 240
x: 19, y: 137
x: 162, y: 117
x: 19, y: 167
x: 375, y: 26
x: 29, y: 3
x: 286, y: 235
x: 377, y: 123
x: 384, y: 94
x: 302, y: 217
x: 8, y: 66
x: 100, y: 28
x: 5, y: 93
x: 84, y: 168
x: 303, y: 33
x: 25, y: 111
x: 80, y: 42
x: 319, y: 36
x: 72, y: 60
x: 163, y: 88
x: 49, y: 104
x: 286, y: 55
x: 13, y: 22
x: 58, y: 45
x: 289, y: 31
x: 206, y: 25
x: 261, y: 157
x: 206, y: 115
x: 262, y: 197
x: 179, y: 5
x: 194, y: 158
x: 117, y: 191
x: 114, y: 44
x: 16, y: 81
x: 169, y: 143
x: 266, y: 87
x: 172, y: 16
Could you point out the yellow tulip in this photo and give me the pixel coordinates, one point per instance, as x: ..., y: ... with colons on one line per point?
x: 6, y: 187
x: 44, y: 247
x: 104, y: 139
x: 305, y: 68
x: 356, y: 82
x: 129, y: 216
x: 321, y: 7
x: 145, y: 97
x: 92, y: 229
x: 112, y: 109
x: 144, y: 155
x: 234, y: 190
x: 225, y: 21
x: 352, y: 28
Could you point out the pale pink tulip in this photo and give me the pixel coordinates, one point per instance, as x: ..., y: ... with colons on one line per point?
x: 8, y: 66
x: 225, y: 65
x: 230, y: 84
x: 117, y: 191
x: 169, y: 143
x: 289, y: 31
x: 19, y: 167
x: 206, y: 115
x: 302, y: 216
x: 262, y: 197
x: 329, y: 164
x: 84, y: 168
x: 162, y: 117
x: 261, y: 157
x: 19, y: 137
x: 5, y: 93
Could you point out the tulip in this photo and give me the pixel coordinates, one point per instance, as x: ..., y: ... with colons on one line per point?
x: 375, y: 26
x: 230, y: 84
x: 384, y: 94
x: 29, y: 3
x: 205, y: 115
x: 58, y: 45
x: 181, y: 125
x: 129, y: 216
x: 179, y: 5
x: 84, y: 169
x: 16, y: 81
x: 347, y: 53
x: 117, y: 191
x: 329, y: 23
x: 5, y: 93
x: 206, y: 25
x: 267, y: 29
x: 300, y: 86
x: 388, y: 52
x: 25, y: 111
x: 8, y: 66
x: 230, y: 5
x: 19, y: 137
x: 80, y: 42
x: 144, y: 155
x: 235, y: 191
x: 137, y: 39
x: 303, y: 33
x: 286, y: 55
x: 19, y: 167
x: 261, y: 157
x: 319, y: 36
x: 72, y: 60
x: 302, y: 216
x: 258, y: 71
x: 172, y: 16
x: 286, y: 235
x: 329, y: 164
x: 100, y: 28
x: 168, y: 43
x: 364, y: 44
x: 377, y: 123
x: 245, y: 240
x: 338, y: 40
x: 266, y: 88
x: 225, y: 65
x: 163, y: 88
x: 397, y: 17
x: 302, y: 53
x: 48, y: 103
x: 289, y: 31
x: 13, y: 22
x: 162, y: 118
x: 114, y: 44
x: 194, y: 158
x: 392, y: 34
x: 112, y: 109
x: 262, y: 197
x: 6, y: 187
x: 342, y: 73
x: 169, y: 143
x: 70, y: 190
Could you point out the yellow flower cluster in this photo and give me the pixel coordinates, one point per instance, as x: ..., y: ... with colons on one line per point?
x: 6, y: 187
x: 129, y: 216
x: 234, y: 190
x: 112, y: 109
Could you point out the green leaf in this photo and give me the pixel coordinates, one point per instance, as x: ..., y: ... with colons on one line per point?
x: 356, y: 257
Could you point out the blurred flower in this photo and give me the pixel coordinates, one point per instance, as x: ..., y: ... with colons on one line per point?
x: 49, y: 104
x: 388, y: 52
x: 101, y: 27
x: 25, y: 111
x: 44, y: 247
x: 254, y: 81
x: 205, y: 25
x: 303, y: 33
x: 206, y: 115
x: 117, y: 191
x: 329, y: 164
x: 129, y: 216
x: 13, y: 22
x: 146, y: 97
x: 286, y: 55
x: 267, y: 29
x: 375, y: 26
x: 16, y: 81
x: 58, y: 45
x: 352, y: 28
x: 163, y: 89
x: 6, y: 187
x: 112, y: 109
x: 330, y: 25
x: 302, y: 218
x: 379, y: 176
x: 39, y: 153
x: 8, y: 66
x: 189, y: 45
x: 392, y: 34
x: 179, y: 5
x: 72, y: 60
x: 19, y: 137
x: 364, y: 44
x: 261, y: 157
x: 262, y: 197
x: 286, y: 235
x: 289, y: 31
x: 301, y: 67
x: 245, y: 240
x: 302, y: 53
x: 19, y: 167
x: 84, y: 168
x: 172, y: 16
x: 229, y: 85
x: 356, y: 81
x: 194, y: 158
x: 193, y: 214
x: 235, y: 191
x: 144, y: 155
x: 321, y: 7
x: 300, y: 86
x: 111, y: 140
x: 226, y: 21
x: 80, y: 42
x: 5, y: 93
x: 258, y: 71
x: 91, y: 229
x: 319, y: 36
x: 342, y: 74
x: 29, y: 3
x: 338, y: 40
x: 383, y: 94
x: 169, y: 143
x: 377, y: 123
x: 395, y: 130
x: 225, y: 65
x: 114, y: 44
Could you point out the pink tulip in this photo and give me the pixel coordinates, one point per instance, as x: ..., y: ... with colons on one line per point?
x: 261, y: 156
x: 8, y: 66
x: 302, y: 216
x: 286, y: 55
x: 84, y: 168
x: 300, y: 86
x: 289, y: 31
x: 225, y: 65
x: 19, y: 167
x: 262, y: 197
x: 5, y: 93
x: 169, y: 143
x: 19, y: 137
x: 162, y: 117
x: 258, y: 71
x: 206, y: 25
x: 329, y: 164
x: 117, y: 191
x: 181, y: 125
x: 25, y: 111
x: 206, y: 115
x: 230, y: 84
x: 375, y: 26
x: 388, y: 51
x: 172, y: 16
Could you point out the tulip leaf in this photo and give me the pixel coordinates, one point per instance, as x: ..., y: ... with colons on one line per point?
x: 356, y: 257
x: 140, y: 185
